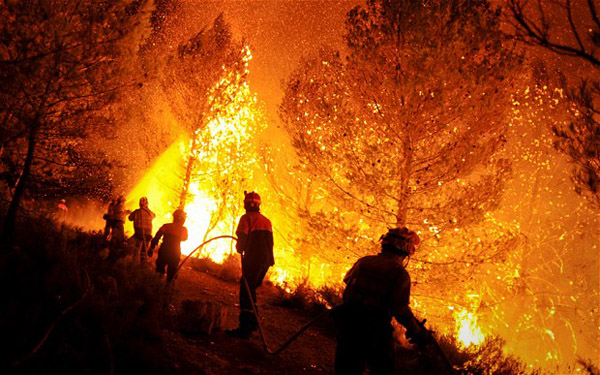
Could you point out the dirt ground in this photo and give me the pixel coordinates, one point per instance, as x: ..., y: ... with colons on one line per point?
x: 216, y: 353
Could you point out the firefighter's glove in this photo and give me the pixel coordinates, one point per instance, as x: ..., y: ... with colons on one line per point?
x: 419, y: 341
x: 420, y: 338
x: 151, y: 252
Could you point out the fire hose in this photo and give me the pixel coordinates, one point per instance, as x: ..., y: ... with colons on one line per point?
x: 260, y: 329
x: 431, y: 340
x: 292, y: 338
x: 438, y: 349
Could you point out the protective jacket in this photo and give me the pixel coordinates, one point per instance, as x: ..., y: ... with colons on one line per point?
x: 255, y: 241
x: 380, y: 285
x: 170, y: 249
x: 142, y: 220
x: 119, y: 213
x: 173, y: 235
x: 377, y: 289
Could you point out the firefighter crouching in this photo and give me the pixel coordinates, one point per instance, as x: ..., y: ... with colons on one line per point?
x: 377, y: 289
x: 255, y: 244
x: 170, y: 249
x: 142, y: 228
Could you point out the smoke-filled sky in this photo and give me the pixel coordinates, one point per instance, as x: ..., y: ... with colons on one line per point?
x: 279, y: 33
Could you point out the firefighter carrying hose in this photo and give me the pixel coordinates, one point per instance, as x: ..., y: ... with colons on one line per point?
x: 255, y: 244
x: 377, y: 289
x: 142, y: 228
x: 170, y: 249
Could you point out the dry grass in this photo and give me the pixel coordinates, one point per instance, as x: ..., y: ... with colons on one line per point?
x: 230, y: 270
x: 203, y: 317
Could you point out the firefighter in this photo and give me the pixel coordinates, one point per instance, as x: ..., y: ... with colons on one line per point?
x: 62, y: 211
x: 377, y: 289
x: 170, y: 249
x: 108, y: 217
x: 142, y: 228
x: 118, y: 221
x: 255, y: 244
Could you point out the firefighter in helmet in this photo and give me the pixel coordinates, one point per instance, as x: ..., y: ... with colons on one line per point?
x: 142, y: 228
x: 170, y: 249
x: 108, y: 217
x: 255, y: 244
x: 62, y: 211
x: 377, y: 290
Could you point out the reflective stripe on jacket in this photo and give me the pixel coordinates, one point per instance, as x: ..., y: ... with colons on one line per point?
x: 255, y: 240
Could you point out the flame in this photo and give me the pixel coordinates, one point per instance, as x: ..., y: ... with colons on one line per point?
x: 221, y: 161
x: 225, y: 155
x: 468, y: 331
x: 159, y: 186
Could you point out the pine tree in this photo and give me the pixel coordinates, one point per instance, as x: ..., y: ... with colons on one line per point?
x: 59, y: 67
x: 201, y: 82
x: 545, y: 25
x: 405, y: 125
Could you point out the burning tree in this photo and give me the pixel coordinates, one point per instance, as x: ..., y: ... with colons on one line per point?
x: 202, y: 85
x: 404, y: 128
x: 59, y: 67
x: 416, y: 106
x: 202, y: 81
x: 544, y: 24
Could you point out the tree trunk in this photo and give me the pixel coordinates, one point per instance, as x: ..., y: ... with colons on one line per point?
x: 405, y: 193
x: 13, y: 208
x: 188, y: 174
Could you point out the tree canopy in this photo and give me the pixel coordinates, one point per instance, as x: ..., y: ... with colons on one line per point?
x: 404, y: 123
x: 59, y: 68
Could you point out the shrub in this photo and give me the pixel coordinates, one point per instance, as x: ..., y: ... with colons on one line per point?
x: 55, y: 284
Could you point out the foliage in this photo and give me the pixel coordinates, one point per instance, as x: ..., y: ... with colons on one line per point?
x: 59, y: 66
x: 415, y: 108
x: 403, y: 130
x: 569, y: 30
x: 489, y: 358
x: 580, y: 140
x: 203, y: 85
